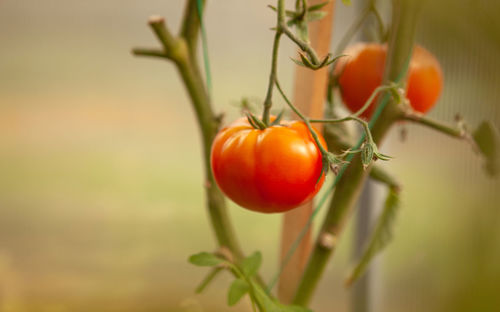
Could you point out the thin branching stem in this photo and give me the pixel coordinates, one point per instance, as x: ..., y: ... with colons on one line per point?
x: 268, y: 102
x: 304, y: 46
x: 434, y: 124
x: 362, y: 122
x: 324, y: 152
x: 355, y: 116
x: 283, y: 29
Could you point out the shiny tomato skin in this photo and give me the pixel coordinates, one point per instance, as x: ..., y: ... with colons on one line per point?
x: 425, y: 80
x: 270, y: 170
x: 361, y: 72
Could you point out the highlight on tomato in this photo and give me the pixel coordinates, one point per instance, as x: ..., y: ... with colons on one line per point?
x: 271, y: 170
x: 361, y: 72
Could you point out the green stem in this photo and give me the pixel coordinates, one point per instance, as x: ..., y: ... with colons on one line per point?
x: 304, y: 46
x: 363, y: 124
x: 268, y: 102
x: 349, y: 186
x: 149, y: 52
x: 208, y: 125
x: 436, y: 125
x: 355, y: 116
x: 324, y: 152
x: 282, y: 28
x: 182, y: 51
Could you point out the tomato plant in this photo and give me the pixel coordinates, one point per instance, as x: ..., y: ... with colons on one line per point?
x: 270, y: 170
x: 361, y: 72
x: 270, y: 167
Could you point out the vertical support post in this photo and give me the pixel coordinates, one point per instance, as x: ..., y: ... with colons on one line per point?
x: 309, y: 95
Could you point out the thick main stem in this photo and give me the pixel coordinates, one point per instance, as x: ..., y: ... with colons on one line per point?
x: 181, y: 51
x: 208, y: 125
x: 349, y: 186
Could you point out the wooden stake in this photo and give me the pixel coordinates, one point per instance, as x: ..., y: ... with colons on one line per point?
x: 309, y: 98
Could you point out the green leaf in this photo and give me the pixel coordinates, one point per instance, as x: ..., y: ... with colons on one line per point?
x: 315, y: 16
x: 487, y: 140
x: 298, y: 62
x: 237, y: 290
x: 255, y: 122
x: 278, y: 118
x: 306, y: 61
x: 302, y: 31
x: 205, y: 259
x: 334, y: 59
x: 287, y: 12
x: 318, y: 6
x: 265, y: 303
x: 346, y: 2
x: 251, y: 264
x: 381, y: 236
x: 208, y: 279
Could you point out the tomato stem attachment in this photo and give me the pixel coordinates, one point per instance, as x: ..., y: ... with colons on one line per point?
x: 309, y: 57
x: 328, y: 158
x: 255, y: 122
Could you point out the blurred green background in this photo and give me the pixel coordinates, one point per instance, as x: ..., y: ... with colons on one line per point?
x: 101, y: 181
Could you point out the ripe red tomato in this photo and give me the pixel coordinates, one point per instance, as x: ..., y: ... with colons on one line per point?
x: 362, y: 70
x: 270, y: 170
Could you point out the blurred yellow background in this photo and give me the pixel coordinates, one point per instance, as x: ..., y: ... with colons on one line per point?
x: 101, y: 196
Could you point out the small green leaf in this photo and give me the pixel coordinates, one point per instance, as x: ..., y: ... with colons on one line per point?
x: 287, y: 12
x: 251, y: 264
x: 255, y: 122
x: 302, y: 31
x: 317, y: 7
x: 346, y: 2
x: 208, y: 279
x: 205, y: 259
x: 324, y: 61
x: 292, y: 22
x: 306, y: 61
x: 278, y: 118
x: 263, y: 300
x: 298, y: 62
x: 236, y: 291
x: 381, y: 236
x: 487, y: 140
x: 316, y: 16
x: 251, y: 121
x: 334, y: 59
